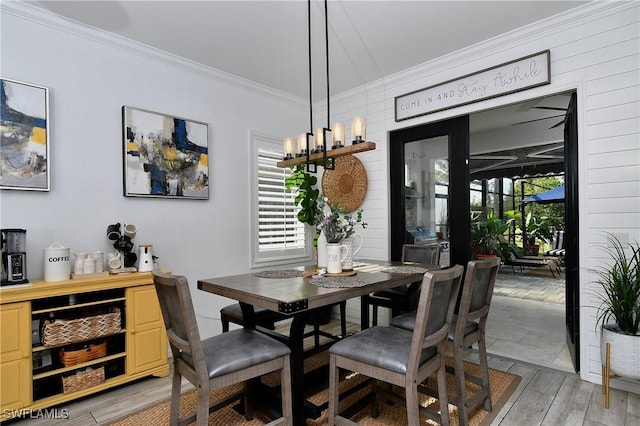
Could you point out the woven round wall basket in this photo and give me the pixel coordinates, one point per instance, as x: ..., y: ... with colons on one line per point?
x: 345, y: 186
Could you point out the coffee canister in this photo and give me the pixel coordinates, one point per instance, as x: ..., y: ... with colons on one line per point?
x: 57, y: 262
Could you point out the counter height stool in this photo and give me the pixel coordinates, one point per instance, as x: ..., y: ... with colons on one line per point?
x: 218, y: 361
x: 403, y: 299
x: 401, y: 357
x: 469, y: 325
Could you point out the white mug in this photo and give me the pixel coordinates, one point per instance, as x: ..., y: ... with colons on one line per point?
x: 130, y: 230
x: 114, y: 260
x: 335, y: 255
x: 89, y: 265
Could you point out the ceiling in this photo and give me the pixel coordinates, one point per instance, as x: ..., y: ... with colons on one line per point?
x: 266, y: 41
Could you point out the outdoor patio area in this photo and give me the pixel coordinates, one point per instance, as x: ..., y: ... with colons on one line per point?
x: 527, y: 318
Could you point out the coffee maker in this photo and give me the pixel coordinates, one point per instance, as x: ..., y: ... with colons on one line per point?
x: 14, y: 256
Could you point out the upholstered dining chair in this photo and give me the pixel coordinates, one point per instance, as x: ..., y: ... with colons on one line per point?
x: 468, y: 328
x: 218, y: 361
x: 268, y: 319
x: 401, y: 357
x: 404, y: 298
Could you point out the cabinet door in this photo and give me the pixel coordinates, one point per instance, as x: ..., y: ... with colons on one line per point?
x: 15, y: 355
x: 146, y: 335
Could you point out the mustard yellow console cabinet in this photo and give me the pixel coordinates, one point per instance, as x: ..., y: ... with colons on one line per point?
x: 37, y: 372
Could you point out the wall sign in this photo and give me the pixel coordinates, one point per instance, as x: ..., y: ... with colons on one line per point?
x: 520, y: 74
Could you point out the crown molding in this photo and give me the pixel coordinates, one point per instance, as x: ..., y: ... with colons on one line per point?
x: 43, y: 17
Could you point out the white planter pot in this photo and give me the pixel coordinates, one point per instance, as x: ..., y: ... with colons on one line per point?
x: 625, y: 352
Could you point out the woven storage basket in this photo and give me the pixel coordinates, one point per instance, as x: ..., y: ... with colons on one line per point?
x: 65, y: 331
x: 92, y: 351
x: 82, y: 380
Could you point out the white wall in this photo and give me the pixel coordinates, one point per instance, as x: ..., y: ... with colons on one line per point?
x: 594, y: 50
x: 90, y: 76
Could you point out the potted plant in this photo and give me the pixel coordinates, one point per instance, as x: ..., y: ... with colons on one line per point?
x: 619, y: 310
x: 486, y: 235
x: 537, y: 229
x: 307, y: 197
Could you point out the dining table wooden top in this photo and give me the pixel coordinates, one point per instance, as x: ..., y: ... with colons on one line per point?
x: 293, y: 294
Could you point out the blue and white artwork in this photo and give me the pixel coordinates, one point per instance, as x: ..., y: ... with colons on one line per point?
x: 164, y: 156
x: 24, y: 136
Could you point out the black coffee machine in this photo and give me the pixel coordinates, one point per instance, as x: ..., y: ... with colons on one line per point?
x: 14, y: 256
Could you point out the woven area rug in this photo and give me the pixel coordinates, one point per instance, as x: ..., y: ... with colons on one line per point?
x: 502, y: 386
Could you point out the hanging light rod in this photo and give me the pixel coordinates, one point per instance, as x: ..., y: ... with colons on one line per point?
x: 312, y: 146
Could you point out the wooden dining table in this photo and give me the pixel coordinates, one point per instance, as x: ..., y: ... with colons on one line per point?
x: 299, y: 296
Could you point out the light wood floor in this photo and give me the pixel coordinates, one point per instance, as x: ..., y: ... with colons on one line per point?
x: 544, y: 397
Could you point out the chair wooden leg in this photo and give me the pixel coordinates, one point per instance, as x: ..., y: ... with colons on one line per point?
x: 334, y: 395
x: 413, y: 410
x: 442, y: 393
x: 175, y: 397
x: 463, y: 415
x: 202, y: 416
x: 484, y: 373
x: 285, y: 390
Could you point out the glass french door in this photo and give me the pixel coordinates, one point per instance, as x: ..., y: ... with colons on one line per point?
x: 429, y: 189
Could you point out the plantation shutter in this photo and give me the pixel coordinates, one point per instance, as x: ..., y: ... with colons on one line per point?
x: 278, y: 227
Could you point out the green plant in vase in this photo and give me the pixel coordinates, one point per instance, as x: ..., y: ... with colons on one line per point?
x: 619, y: 312
x: 486, y: 234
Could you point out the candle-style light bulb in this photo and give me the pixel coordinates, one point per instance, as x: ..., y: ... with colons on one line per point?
x: 288, y: 148
x: 337, y: 131
x: 357, y: 130
x: 318, y: 136
x: 302, y: 144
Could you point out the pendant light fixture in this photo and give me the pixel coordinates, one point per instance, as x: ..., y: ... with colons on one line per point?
x: 311, y: 148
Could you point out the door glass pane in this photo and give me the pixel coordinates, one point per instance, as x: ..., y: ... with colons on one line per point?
x: 427, y: 194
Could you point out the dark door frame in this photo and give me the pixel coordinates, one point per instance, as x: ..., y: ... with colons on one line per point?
x: 457, y: 131
x: 572, y: 304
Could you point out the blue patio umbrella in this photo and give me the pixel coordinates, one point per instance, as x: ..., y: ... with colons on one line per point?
x: 555, y: 195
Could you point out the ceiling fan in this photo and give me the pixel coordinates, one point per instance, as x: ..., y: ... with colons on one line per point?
x: 559, y: 123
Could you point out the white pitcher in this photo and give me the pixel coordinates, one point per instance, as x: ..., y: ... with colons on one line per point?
x: 347, y: 263
x: 335, y: 255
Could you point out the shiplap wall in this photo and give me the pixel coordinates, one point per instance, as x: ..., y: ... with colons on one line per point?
x: 595, y: 50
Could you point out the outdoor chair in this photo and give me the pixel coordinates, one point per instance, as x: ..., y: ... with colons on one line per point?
x: 218, y: 361
x: 468, y: 327
x: 404, y: 298
x: 557, y: 251
x: 522, y: 262
x: 401, y: 357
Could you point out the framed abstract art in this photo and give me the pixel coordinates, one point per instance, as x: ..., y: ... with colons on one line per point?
x: 24, y: 136
x: 164, y: 156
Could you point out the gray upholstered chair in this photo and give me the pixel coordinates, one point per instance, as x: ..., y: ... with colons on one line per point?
x: 404, y: 298
x: 218, y: 361
x: 469, y: 326
x: 401, y: 357
x: 267, y: 319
